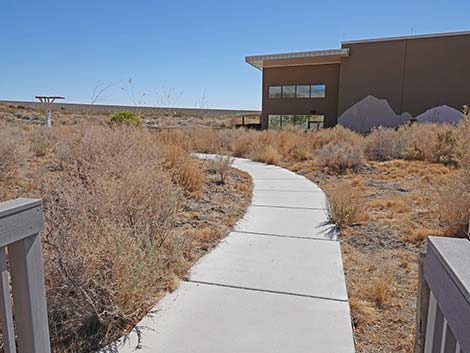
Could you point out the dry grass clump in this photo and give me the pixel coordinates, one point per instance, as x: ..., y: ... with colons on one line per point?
x: 183, y: 168
x: 344, y: 208
x: 380, y: 290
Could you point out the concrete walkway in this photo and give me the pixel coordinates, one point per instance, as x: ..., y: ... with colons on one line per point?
x: 274, y: 285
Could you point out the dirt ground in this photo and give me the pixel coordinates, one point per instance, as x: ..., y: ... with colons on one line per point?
x: 210, y: 215
x: 157, y: 119
x: 380, y: 253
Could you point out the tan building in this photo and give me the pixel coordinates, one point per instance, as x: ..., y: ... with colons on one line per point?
x: 367, y: 83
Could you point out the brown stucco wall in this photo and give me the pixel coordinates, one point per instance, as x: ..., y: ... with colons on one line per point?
x: 371, y: 69
x: 297, y: 75
x: 413, y: 75
x: 437, y: 72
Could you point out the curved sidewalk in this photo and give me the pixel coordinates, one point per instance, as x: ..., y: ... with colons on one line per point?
x: 273, y: 285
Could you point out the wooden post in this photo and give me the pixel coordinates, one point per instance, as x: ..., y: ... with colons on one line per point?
x: 422, y: 307
x: 8, y: 331
x: 29, y: 295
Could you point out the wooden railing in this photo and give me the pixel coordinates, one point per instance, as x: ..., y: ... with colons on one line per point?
x: 21, y: 220
x: 443, y: 310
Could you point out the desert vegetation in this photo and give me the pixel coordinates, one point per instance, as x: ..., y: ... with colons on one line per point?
x: 388, y: 191
x: 157, y: 118
x: 127, y: 211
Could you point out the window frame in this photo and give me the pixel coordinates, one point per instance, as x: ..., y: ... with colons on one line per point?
x: 269, y: 91
x: 295, y: 94
x: 308, y: 94
x: 316, y: 85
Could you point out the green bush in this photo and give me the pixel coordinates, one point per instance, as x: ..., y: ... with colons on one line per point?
x: 127, y: 118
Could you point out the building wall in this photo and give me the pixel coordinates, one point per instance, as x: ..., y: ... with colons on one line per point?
x: 297, y: 75
x: 374, y: 69
x: 413, y: 75
x: 437, y: 72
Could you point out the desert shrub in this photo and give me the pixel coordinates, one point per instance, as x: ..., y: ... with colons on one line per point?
x: 344, y: 206
x: 183, y: 168
x: 10, y: 151
x: 265, y: 153
x: 175, y: 137
x: 221, y: 165
x: 242, y: 142
x: 429, y: 142
x: 126, y: 118
x: 341, y: 156
x: 462, y: 148
x: 40, y: 146
x: 384, y: 144
x: 110, y: 208
x: 204, y: 140
x: 43, y: 140
x: 338, y: 134
x: 453, y: 197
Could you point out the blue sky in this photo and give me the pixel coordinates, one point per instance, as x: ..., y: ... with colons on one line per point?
x: 185, y: 48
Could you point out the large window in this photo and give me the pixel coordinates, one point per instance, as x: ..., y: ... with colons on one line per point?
x: 288, y: 91
x: 300, y: 121
x: 297, y: 91
x: 302, y: 91
x: 275, y: 91
x: 317, y: 91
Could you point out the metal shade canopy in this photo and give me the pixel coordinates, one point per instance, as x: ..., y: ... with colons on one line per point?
x: 48, y: 100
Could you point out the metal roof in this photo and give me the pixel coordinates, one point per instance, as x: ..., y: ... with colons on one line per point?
x: 417, y: 36
x: 282, y: 59
x: 258, y: 60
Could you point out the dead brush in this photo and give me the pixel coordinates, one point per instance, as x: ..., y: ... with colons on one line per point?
x: 221, y: 165
x: 265, y: 153
x: 344, y: 206
x: 384, y: 144
x: 452, y: 198
x: 429, y: 142
x: 242, y: 143
x: 340, y: 157
x: 184, y: 169
x: 10, y: 152
x: 204, y: 140
x: 109, y: 210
